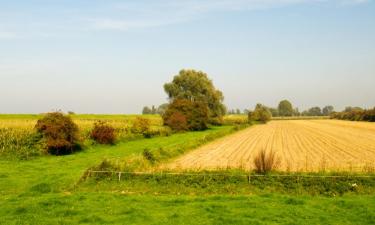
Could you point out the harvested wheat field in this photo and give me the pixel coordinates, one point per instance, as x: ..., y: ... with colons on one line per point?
x: 301, y: 145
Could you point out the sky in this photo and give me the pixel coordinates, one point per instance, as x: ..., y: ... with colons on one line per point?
x: 96, y: 56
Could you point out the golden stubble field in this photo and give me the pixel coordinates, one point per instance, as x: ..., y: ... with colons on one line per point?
x: 301, y: 145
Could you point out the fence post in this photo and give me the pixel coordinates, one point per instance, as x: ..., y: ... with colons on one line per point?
x: 119, y: 176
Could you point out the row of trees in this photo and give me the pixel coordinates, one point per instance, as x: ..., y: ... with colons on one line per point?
x: 153, y: 110
x: 355, y: 114
x: 286, y: 109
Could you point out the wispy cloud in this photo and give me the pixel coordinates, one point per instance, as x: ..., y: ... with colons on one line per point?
x: 146, y: 14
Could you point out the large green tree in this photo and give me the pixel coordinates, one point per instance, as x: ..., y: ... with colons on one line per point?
x: 285, y: 108
x: 197, y: 87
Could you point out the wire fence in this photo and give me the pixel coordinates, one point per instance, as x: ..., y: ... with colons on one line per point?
x: 249, y: 176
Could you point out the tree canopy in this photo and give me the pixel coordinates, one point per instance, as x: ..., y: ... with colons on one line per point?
x: 285, y: 108
x: 197, y: 87
x: 261, y: 113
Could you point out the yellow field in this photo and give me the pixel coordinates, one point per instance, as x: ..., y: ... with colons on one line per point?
x: 301, y: 145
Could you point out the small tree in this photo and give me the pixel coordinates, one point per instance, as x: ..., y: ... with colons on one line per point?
x: 285, y: 108
x: 141, y: 126
x: 146, y: 110
x: 327, y: 110
x: 103, y: 133
x: 59, y: 132
x: 261, y: 114
x: 162, y: 108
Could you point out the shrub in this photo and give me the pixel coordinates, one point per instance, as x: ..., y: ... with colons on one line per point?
x: 59, y: 133
x: 147, y: 154
x: 141, y: 126
x: 261, y: 114
x: 266, y: 162
x: 177, y: 121
x: 196, y: 114
x: 103, y: 133
x: 355, y: 114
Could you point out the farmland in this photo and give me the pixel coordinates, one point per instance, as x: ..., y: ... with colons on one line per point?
x: 46, y: 189
x: 301, y: 145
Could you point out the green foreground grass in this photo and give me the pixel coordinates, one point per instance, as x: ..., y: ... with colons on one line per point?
x: 44, y: 191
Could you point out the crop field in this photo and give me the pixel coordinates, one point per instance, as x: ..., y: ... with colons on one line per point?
x: 301, y: 146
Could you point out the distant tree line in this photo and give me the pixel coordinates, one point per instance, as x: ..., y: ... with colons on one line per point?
x: 153, y: 110
x: 286, y: 109
x: 355, y: 114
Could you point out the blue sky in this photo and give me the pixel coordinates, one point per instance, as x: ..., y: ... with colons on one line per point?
x: 114, y: 56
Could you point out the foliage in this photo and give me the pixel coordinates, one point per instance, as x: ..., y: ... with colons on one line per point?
x: 355, y: 114
x: 162, y: 108
x: 177, y: 122
x: 266, y: 162
x: 196, y: 114
x: 261, y: 113
x: 195, y: 86
x: 147, y: 154
x: 274, y: 112
x: 327, y: 110
x: 103, y: 133
x: 313, y: 111
x: 59, y: 132
x: 285, y: 108
x: 141, y: 126
x: 146, y: 110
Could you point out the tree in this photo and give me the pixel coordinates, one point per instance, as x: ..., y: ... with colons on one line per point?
x: 238, y: 111
x: 195, y: 113
x: 162, y: 108
x: 327, y: 110
x: 153, y: 110
x: 261, y: 113
x: 315, y: 111
x: 195, y: 86
x: 274, y: 112
x: 285, y: 108
x: 146, y: 110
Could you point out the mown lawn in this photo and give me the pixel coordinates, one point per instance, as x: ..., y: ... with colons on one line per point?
x: 43, y: 191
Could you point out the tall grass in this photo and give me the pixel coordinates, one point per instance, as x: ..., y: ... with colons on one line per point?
x: 266, y: 162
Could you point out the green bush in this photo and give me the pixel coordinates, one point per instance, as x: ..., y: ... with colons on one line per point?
x: 261, y: 114
x: 103, y: 133
x: 196, y: 114
x: 60, y: 133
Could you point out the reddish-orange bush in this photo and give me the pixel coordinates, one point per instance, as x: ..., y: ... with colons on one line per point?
x: 59, y: 133
x: 177, y: 121
x: 196, y: 113
x: 103, y: 133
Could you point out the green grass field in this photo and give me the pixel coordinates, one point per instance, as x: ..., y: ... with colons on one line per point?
x: 46, y: 190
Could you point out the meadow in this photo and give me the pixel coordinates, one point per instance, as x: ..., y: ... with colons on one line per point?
x: 47, y: 189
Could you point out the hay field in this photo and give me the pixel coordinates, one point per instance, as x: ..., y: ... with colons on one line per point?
x: 301, y: 145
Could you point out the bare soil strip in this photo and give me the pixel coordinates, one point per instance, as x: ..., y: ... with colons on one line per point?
x: 302, y: 145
